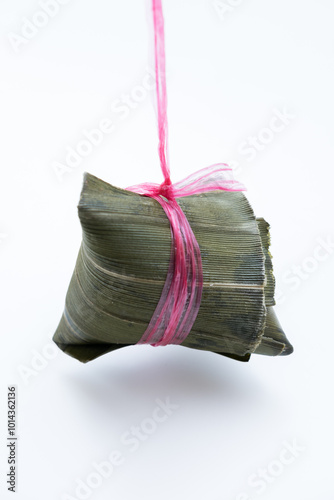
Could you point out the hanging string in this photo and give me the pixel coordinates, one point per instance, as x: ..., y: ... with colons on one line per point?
x: 160, y: 81
x: 181, y: 296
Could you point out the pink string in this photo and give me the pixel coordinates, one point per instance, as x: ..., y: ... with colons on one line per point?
x: 160, y: 83
x: 181, y: 296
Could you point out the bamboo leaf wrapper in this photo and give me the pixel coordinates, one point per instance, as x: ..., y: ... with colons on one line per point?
x: 123, y: 262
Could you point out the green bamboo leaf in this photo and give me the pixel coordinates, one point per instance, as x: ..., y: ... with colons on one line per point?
x: 122, y: 266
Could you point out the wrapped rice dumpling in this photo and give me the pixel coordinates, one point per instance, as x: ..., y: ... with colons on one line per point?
x: 217, y: 254
x: 123, y: 263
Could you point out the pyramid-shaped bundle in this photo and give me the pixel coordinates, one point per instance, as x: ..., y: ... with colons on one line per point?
x: 123, y: 262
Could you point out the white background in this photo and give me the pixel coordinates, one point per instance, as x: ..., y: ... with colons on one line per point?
x: 229, y: 73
